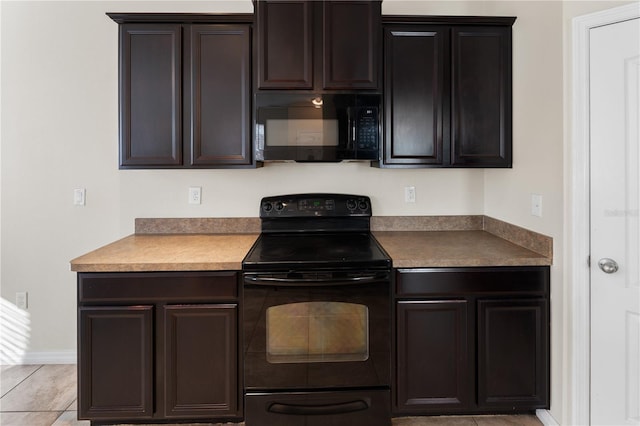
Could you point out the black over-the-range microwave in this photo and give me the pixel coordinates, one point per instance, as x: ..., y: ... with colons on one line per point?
x: 327, y: 127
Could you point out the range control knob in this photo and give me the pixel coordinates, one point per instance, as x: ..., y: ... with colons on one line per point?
x: 351, y: 204
x: 363, y: 205
x: 279, y: 206
x: 267, y: 207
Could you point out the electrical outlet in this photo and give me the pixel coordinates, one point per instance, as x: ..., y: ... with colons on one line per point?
x: 195, y: 195
x: 79, y: 197
x: 21, y: 300
x: 409, y: 194
x: 536, y: 205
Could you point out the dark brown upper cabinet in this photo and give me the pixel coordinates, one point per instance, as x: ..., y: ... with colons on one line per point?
x: 185, y: 91
x: 319, y: 46
x: 447, y: 92
x: 416, y: 103
x: 150, y: 95
x: 481, y: 96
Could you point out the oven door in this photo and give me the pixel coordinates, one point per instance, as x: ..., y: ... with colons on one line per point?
x: 308, y: 331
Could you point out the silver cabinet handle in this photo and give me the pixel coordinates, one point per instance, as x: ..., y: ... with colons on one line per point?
x: 608, y: 266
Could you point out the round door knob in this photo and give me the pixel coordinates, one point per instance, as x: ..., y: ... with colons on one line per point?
x: 608, y: 266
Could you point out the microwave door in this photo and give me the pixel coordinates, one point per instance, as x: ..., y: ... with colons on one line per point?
x: 301, y: 134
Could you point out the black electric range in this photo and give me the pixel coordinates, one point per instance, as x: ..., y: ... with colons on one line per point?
x: 316, y: 315
x: 315, y: 231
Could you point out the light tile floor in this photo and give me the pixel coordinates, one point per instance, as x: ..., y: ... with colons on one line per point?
x: 45, y: 395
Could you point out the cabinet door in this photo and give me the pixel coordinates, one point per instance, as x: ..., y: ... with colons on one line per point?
x: 201, y: 361
x: 431, y: 357
x: 150, y: 95
x: 285, y: 44
x: 351, y: 44
x: 513, y: 364
x: 115, y: 379
x: 481, y: 101
x: 219, y: 93
x: 416, y: 95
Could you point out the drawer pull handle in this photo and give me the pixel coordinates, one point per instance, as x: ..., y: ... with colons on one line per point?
x: 312, y: 410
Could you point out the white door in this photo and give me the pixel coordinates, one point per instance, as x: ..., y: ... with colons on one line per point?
x: 615, y: 230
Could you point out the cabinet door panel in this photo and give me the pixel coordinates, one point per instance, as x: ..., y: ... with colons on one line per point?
x: 415, y: 94
x: 115, y: 378
x: 285, y: 40
x: 219, y: 95
x: 351, y: 44
x: 150, y: 95
x: 432, y: 356
x: 481, y: 105
x: 201, y: 361
x: 513, y: 364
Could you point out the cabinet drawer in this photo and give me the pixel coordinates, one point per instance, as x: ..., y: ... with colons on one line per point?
x: 148, y: 287
x: 472, y: 281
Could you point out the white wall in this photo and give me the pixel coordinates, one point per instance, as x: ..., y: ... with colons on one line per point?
x: 59, y: 131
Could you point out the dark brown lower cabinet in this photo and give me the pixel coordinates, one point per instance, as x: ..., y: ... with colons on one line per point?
x: 512, y: 352
x: 471, y: 340
x: 200, y: 354
x: 432, y: 333
x: 158, y: 346
x: 116, y: 362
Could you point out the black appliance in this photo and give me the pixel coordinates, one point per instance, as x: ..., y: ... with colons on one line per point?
x: 324, y: 127
x: 316, y: 315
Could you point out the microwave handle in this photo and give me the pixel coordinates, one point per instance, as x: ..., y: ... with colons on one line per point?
x: 353, y: 132
x: 352, y: 114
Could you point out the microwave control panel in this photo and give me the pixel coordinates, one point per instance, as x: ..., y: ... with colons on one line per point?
x: 366, y: 128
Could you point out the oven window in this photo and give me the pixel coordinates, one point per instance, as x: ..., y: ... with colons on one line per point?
x: 317, y: 332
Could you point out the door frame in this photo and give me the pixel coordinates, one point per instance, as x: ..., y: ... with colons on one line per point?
x: 577, y: 218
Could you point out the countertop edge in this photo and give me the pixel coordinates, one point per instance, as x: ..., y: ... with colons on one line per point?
x: 457, y: 263
x: 156, y: 267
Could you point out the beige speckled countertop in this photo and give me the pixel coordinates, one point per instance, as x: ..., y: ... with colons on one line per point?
x: 423, y: 249
x: 412, y: 242
x: 158, y: 252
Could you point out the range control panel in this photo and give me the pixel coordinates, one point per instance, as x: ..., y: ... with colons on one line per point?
x: 315, y: 205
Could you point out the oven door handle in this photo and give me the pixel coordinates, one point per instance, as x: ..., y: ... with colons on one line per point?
x: 311, y: 410
x: 362, y: 279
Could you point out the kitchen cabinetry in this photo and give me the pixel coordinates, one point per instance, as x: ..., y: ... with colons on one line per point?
x: 471, y: 340
x: 185, y: 91
x: 311, y: 45
x: 158, y: 346
x: 447, y: 92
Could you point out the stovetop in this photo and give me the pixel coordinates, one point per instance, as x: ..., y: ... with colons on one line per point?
x: 315, y: 231
x: 319, y: 250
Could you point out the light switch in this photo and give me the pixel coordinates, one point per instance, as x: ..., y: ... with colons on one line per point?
x: 536, y: 205
x: 79, y: 197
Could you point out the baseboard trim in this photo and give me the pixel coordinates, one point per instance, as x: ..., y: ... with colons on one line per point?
x: 546, y: 418
x: 61, y: 357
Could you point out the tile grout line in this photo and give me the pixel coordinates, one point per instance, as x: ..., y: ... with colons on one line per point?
x: 70, y: 404
x: 19, y: 383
